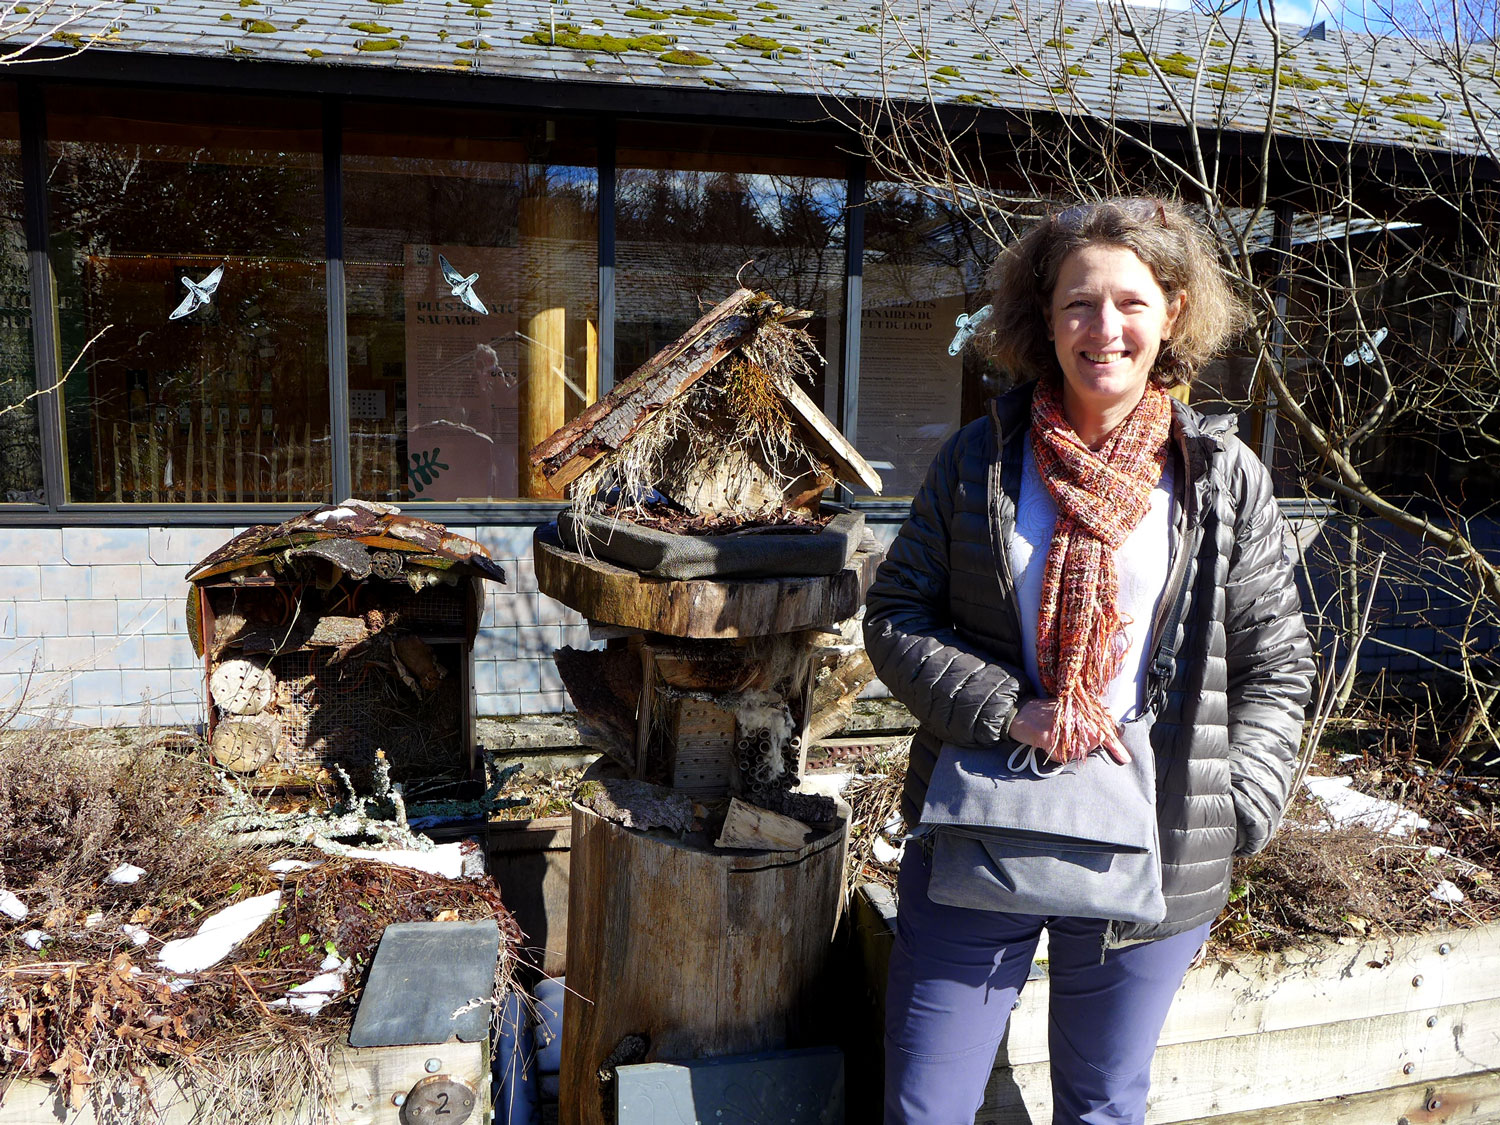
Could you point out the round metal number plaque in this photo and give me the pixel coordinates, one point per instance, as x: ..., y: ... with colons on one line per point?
x: 439, y: 1100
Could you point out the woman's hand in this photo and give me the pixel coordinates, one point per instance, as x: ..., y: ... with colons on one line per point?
x: 1035, y: 725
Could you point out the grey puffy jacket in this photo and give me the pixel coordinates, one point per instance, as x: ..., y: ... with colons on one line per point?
x: 942, y: 628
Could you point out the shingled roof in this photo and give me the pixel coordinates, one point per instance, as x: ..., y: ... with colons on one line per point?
x: 1126, y: 62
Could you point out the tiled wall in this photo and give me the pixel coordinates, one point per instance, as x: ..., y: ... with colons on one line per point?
x: 92, y: 625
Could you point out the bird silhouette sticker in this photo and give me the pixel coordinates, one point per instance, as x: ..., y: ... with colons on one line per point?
x: 199, y: 293
x: 462, y: 287
x: 1366, y: 351
x: 968, y: 324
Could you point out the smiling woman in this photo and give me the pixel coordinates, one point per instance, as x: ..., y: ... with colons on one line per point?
x: 1058, y: 557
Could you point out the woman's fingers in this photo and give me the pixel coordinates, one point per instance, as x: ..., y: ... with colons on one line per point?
x: 1114, y: 747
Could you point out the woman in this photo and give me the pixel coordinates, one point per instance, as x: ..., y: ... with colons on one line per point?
x: 1024, y: 602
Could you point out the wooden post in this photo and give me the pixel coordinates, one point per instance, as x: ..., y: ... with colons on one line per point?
x: 542, y: 404
x: 704, y: 952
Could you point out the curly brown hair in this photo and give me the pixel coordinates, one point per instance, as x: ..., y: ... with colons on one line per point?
x: 1162, y: 234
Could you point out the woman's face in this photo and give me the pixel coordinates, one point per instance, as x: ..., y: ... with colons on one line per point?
x: 1107, y: 319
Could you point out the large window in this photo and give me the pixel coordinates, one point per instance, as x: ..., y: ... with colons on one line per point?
x: 717, y: 208
x: 188, y: 246
x: 471, y: 256
x: 925, y: 264
x: 20, y: 447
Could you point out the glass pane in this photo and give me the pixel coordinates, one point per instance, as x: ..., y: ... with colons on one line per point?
x: 20, y: 444
x: 187, y: 242
x: 925, y: 264
x: 730, y: 207
x: 471, y: 251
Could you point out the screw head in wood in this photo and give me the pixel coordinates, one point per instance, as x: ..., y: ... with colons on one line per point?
x: 1434, y: 1104
x: 1445, y: 949
x: 1416, y: 981
x: 432, y: 1066
x: 1408, y: 1068
x: 1432, y: 1021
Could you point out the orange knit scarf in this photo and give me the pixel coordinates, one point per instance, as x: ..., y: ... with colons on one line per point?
x: 1101, y: 497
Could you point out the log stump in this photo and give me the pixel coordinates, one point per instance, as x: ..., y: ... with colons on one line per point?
x: 679, y: 950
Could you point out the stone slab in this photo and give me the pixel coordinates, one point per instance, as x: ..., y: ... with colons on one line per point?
x: 422, y: 973
x: 803, y: 1087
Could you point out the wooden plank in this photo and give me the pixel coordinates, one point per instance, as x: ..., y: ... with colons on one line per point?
x: 1262, y: 1072
x: 828, y: 439
x: 1474, y: 1098
x: 701, y: 607
x: 1301, y: 988
x: 364, y: 1082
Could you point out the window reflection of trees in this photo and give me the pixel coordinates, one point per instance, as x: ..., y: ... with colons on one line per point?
x: 20, y: 445
x: 148, y: 403
x: 685, y: 236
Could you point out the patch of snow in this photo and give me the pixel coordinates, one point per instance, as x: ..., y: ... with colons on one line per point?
x: 12, y: 907
x: 312, y: 997
x: 1436, y: 852
x: 124, y: 874
x: 885, y: 851
x: 446, y: 860
x: 94, y: 920
x: 1447, y: 892
x: 1347, y: 807
x: 137, y: 934
x: 36, y: 938
x: 829, y: 784
x: 218, y: 935
x: 1349, y: 758
x: 339, y: 514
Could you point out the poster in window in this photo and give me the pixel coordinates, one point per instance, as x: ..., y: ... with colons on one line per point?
x: 461, y: 365
x: 910, y: 388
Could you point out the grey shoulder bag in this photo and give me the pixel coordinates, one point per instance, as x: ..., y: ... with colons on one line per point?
x: 1015, y: 832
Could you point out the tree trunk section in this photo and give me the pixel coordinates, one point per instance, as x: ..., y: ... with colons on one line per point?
x: 703, y: 952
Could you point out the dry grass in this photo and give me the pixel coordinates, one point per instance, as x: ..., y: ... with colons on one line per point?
x: 94, y: 1013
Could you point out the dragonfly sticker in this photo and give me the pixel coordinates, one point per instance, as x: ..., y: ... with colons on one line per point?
x: 1366, y: 352
x: 968, y: 324
x: 462, y: 287
x: 199, y: 293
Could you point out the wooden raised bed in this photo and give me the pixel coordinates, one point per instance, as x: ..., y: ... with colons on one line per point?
x: 365, y: 1082
x: 1371, y: 1032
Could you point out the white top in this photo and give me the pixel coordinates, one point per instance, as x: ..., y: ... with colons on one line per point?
x: 1142, y: 564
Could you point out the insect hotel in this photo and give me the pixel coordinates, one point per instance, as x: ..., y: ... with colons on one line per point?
x: 706, y: 883
x: 343, y: 632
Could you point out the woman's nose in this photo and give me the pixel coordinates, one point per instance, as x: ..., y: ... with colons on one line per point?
x: 1106, y: 321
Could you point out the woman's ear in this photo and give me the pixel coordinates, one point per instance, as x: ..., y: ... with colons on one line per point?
x: 1174, y: 310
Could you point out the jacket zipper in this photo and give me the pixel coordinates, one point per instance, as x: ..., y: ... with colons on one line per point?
x: 997, y: 490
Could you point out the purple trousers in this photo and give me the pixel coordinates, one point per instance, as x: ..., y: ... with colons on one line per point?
x: 955, y: 976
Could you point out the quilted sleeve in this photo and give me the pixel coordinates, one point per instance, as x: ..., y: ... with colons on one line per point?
x: 1270, y: 668
x: 957, y: 691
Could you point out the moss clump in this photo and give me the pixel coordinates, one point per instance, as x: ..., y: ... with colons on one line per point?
x: 377, y: 44
x: 597, y: 22
x: 473, y: 45
x: 313, y: 53
x: 949, y: 72
x: 574, y: 40
x: 766, y: 6
x: 1296, y: 80
x: 1406, y: 97
x: 867, y: 28
x: 1177, y: 65
x: 23, y: 10
x: 970, y: 99
x: 751, y: 42
x: 1420, y: 121
x: 463, y: 62
x: 1057, y: 44
x: 442, y: 35
x: 1132, y: 57
x: 370, y: 27
x: 710, y: 15
x: 686, y: 58
x: 258, y: 27
x: 919, y: 53
x: 1132, y: 70
x: 983, y: 56
x: 1325, y: 68
x: 1018, y: 71
x: 1358, y: 109
x: 1078, y: 72
x: 227, y: 18
x: 1224, y: 87
x: 646, y: 14
x: 1218, y: 44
